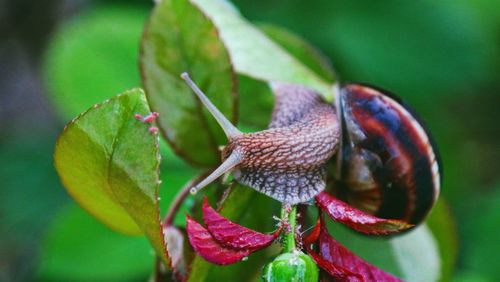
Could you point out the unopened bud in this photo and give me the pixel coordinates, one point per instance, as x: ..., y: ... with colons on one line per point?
x: 293, y: 266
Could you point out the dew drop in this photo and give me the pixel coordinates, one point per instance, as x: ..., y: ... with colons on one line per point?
x: 193, y: 191
x: 244, y: 259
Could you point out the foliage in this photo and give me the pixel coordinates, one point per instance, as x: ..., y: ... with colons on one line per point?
x: 175, y: 173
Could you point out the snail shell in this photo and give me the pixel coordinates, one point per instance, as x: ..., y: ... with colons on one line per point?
x: 388, y: 164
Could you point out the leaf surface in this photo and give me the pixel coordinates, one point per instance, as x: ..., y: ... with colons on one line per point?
x: 254, y: 54
x: 208, y: 248
x: 109, y: 163
x: 179, y: 38
x: 336, y: 272
x: 417, y: 255
x: 302, y: 50
x: 234, y: 235
x: 357, y: 219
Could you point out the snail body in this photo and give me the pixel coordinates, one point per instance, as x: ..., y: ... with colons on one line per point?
x: 386, y: 163
x: 286, y: 161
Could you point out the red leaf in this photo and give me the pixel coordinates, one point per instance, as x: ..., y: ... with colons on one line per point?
x: 314, y: 234
x: 336, y: 254
x: 233, y: 235
x: 337, y: 272
x: 358, y: 220
x: 205, y: 245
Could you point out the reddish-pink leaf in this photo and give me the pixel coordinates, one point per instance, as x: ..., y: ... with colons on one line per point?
x: 313, y: 236
x: 233, y: 235
x: 358, y: 220
x: 338, y: 255
x: 339, y: 273
x: 205, y: 245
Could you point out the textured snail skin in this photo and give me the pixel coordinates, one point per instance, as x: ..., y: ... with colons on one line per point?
x: 389, y: 166
x: 286, y: 161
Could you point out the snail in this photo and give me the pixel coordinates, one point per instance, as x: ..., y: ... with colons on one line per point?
x: 385, y: 163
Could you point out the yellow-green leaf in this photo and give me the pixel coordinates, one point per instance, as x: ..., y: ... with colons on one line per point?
x: 109, y: 163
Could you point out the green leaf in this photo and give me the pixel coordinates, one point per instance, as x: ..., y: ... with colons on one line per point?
x: 179, y: 38
x: 256, y: 103
x: 301, y: 50
x: 78, y: 248
x: 412, y: 256
x: 109, y: 163
x: 254, y: 54
x: 93, y: 55
x: 417, y: 255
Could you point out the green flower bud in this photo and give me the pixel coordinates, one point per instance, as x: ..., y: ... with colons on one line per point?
x: 295, y: 266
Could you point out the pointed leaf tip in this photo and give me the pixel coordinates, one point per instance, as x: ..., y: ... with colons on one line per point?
x: 207, y: 247
x: 234, y: 235
x: 357, y: 219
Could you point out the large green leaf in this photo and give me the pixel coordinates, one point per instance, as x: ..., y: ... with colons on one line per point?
x: 302, y: 50
x: 179, y: 38
x: 109, y: 163
x: 94, y: 54
x: 254, y: 54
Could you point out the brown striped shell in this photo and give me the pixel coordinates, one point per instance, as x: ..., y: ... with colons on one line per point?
x: 388, y: 164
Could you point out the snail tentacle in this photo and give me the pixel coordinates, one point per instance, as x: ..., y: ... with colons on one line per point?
x: 229, y: 129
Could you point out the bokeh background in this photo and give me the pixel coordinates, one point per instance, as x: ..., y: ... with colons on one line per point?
x: 58, y: 57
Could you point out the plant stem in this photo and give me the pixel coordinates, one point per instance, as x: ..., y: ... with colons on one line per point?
x: 290, y: 215
x: 180, y: 197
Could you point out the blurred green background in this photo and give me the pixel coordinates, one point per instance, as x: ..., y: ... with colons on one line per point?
x: 58, y: 57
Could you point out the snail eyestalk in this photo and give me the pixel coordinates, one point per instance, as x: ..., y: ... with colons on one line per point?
x: 229, y: 129
x: 233, y: 160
